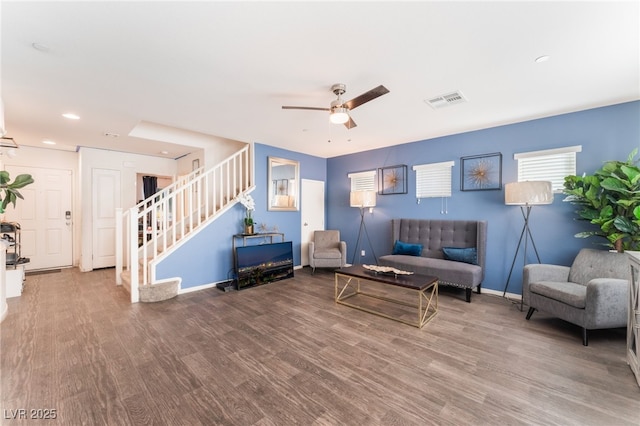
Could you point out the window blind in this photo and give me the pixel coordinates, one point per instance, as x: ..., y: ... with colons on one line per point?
x: 551, y: 164
x: 363, y: 181
x: 433, y: 180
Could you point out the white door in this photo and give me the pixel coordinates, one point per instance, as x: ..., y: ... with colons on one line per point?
x: 312, y: 212
x: 106, y: 198
x: 44, y: 217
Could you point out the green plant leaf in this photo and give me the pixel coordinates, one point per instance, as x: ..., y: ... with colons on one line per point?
x: 631, y: 172
x: 625, y: 225
x: 606, y: 211
x: 615, y: 184
x: 585, y: 234
x: 21, y: 181
x: 4, y: 177
x: 10, y: 189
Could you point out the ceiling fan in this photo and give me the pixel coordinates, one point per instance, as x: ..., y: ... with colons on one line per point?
x: 339, y: 110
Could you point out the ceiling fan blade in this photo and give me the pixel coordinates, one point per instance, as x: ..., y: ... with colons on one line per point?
x: 350, y: 124
x: 366, y: 97
x: 309, y: 108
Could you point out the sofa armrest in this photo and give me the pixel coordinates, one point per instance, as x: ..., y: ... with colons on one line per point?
x: 343, y: 250
x: 607, y: 303
x: 542, y: 272
x: 312, y: 248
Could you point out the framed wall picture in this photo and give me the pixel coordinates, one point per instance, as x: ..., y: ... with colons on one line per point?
x: 393, y: 180
x: 481, y: 172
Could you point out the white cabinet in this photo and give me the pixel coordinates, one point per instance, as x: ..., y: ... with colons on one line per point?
x: 633, y: 325
x: 15, y: 281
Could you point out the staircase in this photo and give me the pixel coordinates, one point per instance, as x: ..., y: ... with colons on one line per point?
x: 153, y: 229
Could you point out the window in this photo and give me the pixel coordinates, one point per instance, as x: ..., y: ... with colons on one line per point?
x: 363, y: 181
x: 433, y: 180
x: 550, y: 164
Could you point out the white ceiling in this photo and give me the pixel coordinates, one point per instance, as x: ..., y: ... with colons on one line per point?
x: 226, y: 68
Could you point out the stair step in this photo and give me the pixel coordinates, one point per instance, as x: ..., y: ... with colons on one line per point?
x: 159, y: 292
x: 153, y: 292
x: 126, y: 280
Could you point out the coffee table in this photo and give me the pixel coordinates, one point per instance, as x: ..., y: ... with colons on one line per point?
x: 348, y: 284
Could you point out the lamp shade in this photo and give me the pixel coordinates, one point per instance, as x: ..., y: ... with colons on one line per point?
x: 362, y: 199
x: 530, y: 192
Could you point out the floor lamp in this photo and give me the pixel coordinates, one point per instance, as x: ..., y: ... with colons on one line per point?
x: 526, y: 194
x: 362, y: 200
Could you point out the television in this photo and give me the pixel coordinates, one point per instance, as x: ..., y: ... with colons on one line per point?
x: 263, y: 264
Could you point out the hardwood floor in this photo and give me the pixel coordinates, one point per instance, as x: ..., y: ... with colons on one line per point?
x: 285, y: 353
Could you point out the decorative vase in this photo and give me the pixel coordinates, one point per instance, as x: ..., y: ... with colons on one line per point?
x: 248, y: 229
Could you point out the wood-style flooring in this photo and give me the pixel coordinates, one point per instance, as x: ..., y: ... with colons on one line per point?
x: 286, y: 354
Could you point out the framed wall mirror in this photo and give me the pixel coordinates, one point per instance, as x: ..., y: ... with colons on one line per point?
x: 284, y: 184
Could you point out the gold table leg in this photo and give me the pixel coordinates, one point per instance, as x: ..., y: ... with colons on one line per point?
x: 427, y: 305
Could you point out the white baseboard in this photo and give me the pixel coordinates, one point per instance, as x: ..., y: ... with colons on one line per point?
x: 198, y: 287
x: 512, y: 296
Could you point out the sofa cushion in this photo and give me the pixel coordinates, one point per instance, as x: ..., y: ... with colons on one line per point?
x: 327, y: 253
x: 406, y: 248
x: 449, y: 271
x: 590, y: 264
x: 461, y: 254
x: 572, y: 294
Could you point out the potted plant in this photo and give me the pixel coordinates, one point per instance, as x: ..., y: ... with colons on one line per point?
x: 10, y: 189
x: 610, y: 199
x: 249, y: 204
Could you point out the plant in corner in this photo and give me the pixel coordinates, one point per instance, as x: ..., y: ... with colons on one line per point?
x: 10, y: 189
x: 610, y: 199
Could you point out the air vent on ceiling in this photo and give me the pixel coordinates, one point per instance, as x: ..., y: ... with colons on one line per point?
x: 446, y: 100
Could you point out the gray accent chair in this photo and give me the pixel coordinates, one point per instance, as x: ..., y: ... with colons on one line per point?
x: 327, y: 251
x: 592, y: 293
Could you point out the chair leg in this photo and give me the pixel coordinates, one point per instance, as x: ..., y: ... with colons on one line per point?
x: 530, y: 312
x: 585, y: 340
x: 467, y: 292
x: 478, y: 288
x: 313, y: 270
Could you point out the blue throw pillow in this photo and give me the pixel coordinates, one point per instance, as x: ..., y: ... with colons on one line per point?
x: 405, y: 248
x: 466, y: 255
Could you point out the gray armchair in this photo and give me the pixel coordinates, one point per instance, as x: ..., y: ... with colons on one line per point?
x: 592, y: 293
x: 327, y: 251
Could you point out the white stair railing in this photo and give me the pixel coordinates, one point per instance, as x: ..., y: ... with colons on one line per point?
x: 156, y: 225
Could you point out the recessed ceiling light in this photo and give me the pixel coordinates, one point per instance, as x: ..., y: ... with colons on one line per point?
x: 164, y: 152
x: 39, y: 46
x: 543, y: 58
x: 71, y: 116
x: 48, y: 142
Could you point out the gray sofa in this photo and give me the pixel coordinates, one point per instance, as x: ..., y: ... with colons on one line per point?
x: 455, y: 268
x: 592, y: 293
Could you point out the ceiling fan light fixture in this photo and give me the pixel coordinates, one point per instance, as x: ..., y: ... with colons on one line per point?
x: 339, y: 115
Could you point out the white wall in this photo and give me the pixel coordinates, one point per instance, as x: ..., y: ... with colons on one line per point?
x: 129, y: 166
x: 185, y: 164
x: 82, y: 164
x: 52, y: 159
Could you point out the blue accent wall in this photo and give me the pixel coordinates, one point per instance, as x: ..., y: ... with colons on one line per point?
x: 208, y: 256
x: 605, y: 133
